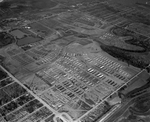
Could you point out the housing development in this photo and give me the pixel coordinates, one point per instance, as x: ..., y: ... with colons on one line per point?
x: 74, y: 61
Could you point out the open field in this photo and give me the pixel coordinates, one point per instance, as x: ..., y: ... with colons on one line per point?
x: 50, y: 23
x: 39, y: 29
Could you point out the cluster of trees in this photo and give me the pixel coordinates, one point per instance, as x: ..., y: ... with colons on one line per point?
x: 141, y: 106
x: 5, y: 39
x: 5, y: 4
x: 136, y: 39
x: 125, y: 56
x: 139, y: 42
x: 2, y: 74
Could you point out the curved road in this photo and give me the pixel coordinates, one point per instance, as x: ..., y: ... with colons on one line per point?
x: 119, y: 112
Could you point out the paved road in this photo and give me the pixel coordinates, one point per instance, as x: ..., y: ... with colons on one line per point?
x: 124, y: 106
x: 118, y: 113
x: 17, y: 81
x: 114, y: 116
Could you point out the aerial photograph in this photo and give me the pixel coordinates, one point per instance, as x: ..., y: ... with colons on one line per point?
x: 74, y: 60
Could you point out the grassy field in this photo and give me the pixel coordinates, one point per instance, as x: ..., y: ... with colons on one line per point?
x: 39, y: 29
x: 49, y: 23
